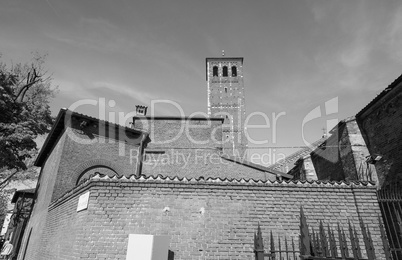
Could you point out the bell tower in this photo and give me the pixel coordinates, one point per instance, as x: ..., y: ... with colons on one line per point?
x: 226, y: 99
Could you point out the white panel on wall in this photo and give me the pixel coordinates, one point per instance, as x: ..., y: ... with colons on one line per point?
x: 147, y: 247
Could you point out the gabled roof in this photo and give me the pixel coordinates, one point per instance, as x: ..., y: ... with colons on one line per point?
x: 291, y: 159
x: 178, y: 118
x: 59, y: 126
x: 342, y: 122
x: 381, y: 95
x: 256, y: 166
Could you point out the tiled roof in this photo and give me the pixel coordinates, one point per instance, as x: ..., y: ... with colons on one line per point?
x: 340, y: 123
x: 178, y: 118
x: 291, y: 159
x: 256, y: 166
x: 382, y: 94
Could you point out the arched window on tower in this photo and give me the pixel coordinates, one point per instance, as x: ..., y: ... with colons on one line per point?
x: 215, y: 71
x: 234, y: 71
x: 225, y: 71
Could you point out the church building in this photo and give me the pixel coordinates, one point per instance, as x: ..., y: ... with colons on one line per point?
x: 176, y: 177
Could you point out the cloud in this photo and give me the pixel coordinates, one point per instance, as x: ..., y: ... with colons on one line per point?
x: 136, y: 93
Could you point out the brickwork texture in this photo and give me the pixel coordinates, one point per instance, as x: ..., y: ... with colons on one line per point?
x: 76, y: 154
x: 381, y: 125
x: 203, y: 220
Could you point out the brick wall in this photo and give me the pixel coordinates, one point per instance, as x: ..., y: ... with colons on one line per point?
x: 181, y: 132
x: 70, y: 226
x: 75, y: 154
x: 381, y: 124
x: 304, y: 169
x: 364, y: 171
x: 195, y: 163
x: 44, y: 191
x: 190, y: 148
x: 78, y: 156
x: 206, y: 219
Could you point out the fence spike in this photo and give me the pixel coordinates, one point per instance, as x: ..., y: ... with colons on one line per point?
x: 272, y: 246
x: 385, y: 244
x: 305, y: 242
x: 332, y: 247
x: 345, y: 243
x: 370, y: 240
x: 359, y: 252
x: 313, y: 243
x: 255, y: 240
x: 353, y: 241
x: 258, y: 244
x: 260, y: 241
x: 286, y: 248
x: 341, y: 244
x: 399, y: 222
x: 317, y: 243
x: 293, y: 249
x: 366, y: 240
x: 324, y: 240
x: 335, y: 249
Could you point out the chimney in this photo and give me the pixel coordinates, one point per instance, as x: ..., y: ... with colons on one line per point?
x: 139, y: 112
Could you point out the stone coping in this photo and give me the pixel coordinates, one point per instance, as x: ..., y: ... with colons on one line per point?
x: 98, y: 178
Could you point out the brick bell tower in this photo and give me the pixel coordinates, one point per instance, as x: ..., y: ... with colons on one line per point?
x: 226, y: 99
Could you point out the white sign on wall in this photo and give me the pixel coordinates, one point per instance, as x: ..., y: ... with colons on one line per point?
x: 147, y: 247
x: 83, y: 201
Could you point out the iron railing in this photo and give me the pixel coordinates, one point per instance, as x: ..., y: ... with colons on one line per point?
x: 390, y: 200
x: 324, y: 243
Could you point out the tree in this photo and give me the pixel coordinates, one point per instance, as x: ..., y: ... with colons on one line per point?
x: 25, y: 92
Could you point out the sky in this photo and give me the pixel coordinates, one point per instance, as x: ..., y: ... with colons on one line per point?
x: 298, y: 55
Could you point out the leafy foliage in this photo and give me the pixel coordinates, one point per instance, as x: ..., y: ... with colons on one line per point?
x: 25, y: 92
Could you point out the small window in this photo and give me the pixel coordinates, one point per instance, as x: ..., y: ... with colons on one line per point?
x: 215, y: 71
x: 226, y: 90
x: 234, y: 71
x: 225, y: 71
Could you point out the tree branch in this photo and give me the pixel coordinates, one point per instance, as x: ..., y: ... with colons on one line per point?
x: 26, y: 87
x: 8, y: 178
x: 32, y: 79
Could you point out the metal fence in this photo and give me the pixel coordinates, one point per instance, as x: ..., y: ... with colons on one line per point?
x: 324, y: 243
x: 390, y: 200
